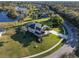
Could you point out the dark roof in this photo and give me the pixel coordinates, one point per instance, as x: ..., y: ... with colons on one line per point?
x: 37, y: 28
x: 32, y: 26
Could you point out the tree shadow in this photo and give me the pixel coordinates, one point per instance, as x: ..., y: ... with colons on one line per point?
x: 13, y: 27
x: 24, y: 38
x: 2, y: 43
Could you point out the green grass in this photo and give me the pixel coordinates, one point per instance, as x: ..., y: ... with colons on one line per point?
x: 47, y: 43
x: 15, y: 44
x: 46, y: 22
x: 16, y: 24
x: 50, y: 52
x: 59, y: 30
x: 36, y: 20
x: 41, y: 20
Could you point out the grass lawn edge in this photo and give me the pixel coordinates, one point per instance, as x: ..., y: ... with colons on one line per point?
x: 47, y: 52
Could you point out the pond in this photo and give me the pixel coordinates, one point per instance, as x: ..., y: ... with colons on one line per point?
x: 5, y: 18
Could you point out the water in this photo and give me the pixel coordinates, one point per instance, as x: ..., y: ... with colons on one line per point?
x: 4, y: 18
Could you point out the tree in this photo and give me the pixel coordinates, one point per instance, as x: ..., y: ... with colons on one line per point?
x: 35, y: 14
x: 12, y: 13
x: 56, y: 21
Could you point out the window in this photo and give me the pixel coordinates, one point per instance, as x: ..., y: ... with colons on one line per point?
x: 37, y: 28
x: 37, y: 32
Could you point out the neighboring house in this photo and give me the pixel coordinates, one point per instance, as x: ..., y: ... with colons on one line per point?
x: 44, y: 15
x: 2, y: 31
x: 35, y: 28
x: 21, y: 9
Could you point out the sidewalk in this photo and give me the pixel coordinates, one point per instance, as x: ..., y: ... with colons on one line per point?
x: 58, y: 34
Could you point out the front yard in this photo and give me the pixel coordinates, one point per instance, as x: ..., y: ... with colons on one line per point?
x: 19, y: 44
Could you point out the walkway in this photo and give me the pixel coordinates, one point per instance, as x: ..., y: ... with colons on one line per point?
x: 58, y: 34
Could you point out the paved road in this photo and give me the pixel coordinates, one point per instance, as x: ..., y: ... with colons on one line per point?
x: 70, y: 42
x: 72, y: 37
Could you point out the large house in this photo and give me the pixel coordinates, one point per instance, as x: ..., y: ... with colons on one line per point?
x: 21, y: 9
x: 35, y: 28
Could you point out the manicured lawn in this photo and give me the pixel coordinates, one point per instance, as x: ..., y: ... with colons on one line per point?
x: 60, y: 30
x: 41, y: 20
x: 18, y: 44
x: 37, y: 20
x: 50, y: 52
x: 47, y: 43
x: 16, y: 24
x: 46, y: 22
x: 21, y: 45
